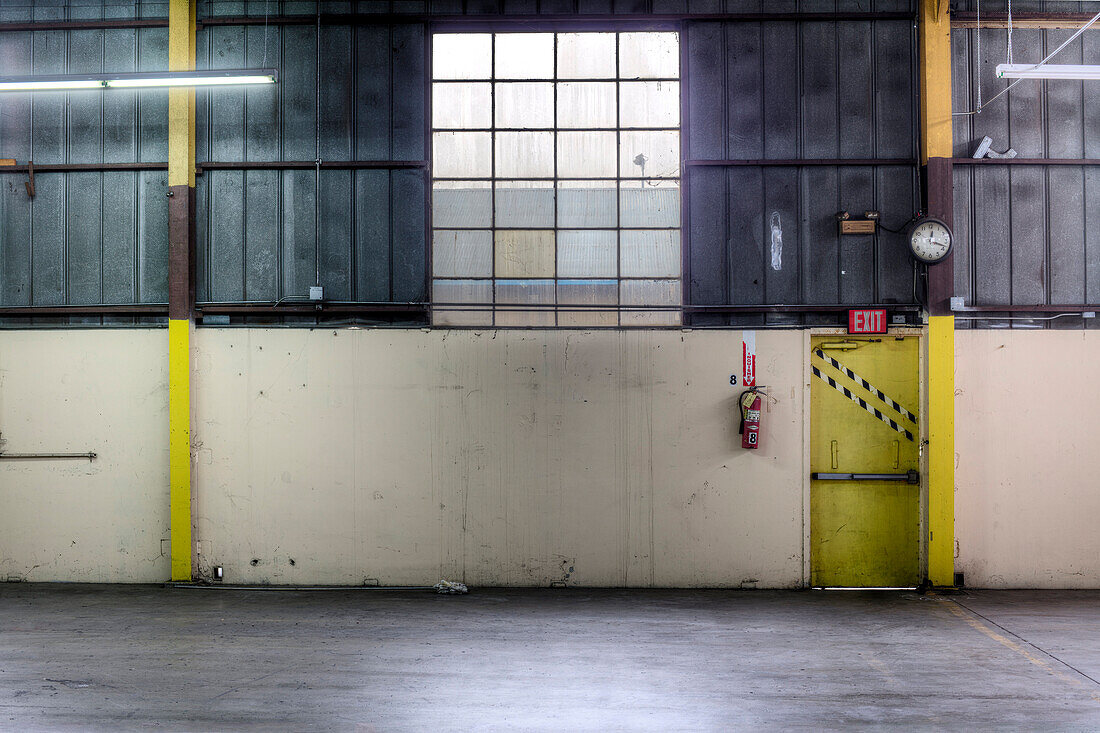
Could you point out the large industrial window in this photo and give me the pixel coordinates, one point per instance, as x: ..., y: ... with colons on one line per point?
x: 556, y: 179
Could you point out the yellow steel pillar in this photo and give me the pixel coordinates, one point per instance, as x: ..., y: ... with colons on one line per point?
x: 181, y: 237
x: 935, y: 67
x: 936, y: 152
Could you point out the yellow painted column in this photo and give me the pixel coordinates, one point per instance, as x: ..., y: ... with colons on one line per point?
x: 941, y: 450
x: 936, y: 151
x: 935, y: 67
x: 181, y: 235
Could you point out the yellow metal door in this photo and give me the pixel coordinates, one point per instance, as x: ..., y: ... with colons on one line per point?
x: 864, y: 455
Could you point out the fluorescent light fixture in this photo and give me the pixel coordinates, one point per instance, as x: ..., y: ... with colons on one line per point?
x: 139, y: 80
x: 1047, y: 71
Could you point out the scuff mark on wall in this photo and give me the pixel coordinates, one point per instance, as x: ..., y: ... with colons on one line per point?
x: 777, y: 241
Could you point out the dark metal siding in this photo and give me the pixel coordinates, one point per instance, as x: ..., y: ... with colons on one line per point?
x: 258, y: 229
x: 768, y: 90
x: 799, y: 90
x: 87, y: 237
x: 1027, y: 234
x: 549, y: 7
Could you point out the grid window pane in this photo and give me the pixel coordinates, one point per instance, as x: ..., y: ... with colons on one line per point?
x: 586, y: 104
x: 556, y: 191
x: 653, y: 293
x: 649, y: 104
x: 586, y: 55
x: 525, y: 154
x: 523, y: 104
x: 525, y: 56
x: 462, y: 56
x: 587, y: 293
x: 462, y: 154
x: 525, y: 203
x: 588, y: 204
x: 587, y: 154
x: 540, y: 292
x: 462, y: 291
x: 587, y: 253
x: 649, y: 253
x: 462, y: 204
x: 649, y: 56
x: 462, y: 105
x: 649, y: 154
x: 462, y: 253
x: 524, y: 253
x: 649, y: 204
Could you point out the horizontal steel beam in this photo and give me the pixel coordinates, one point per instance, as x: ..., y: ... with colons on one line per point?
x: 307, y: 308
x: 619, y: 19
x: 1049, y: 21
x: 83, y: 167
x: 75, y: 311
x: 83, y: 25
x: 784, y: 308
x: 250, y: 165
x: 790, y: 162
x: 623, y: 19
x: 1019, y: 161
x: 222, y: 165
x: 1022, y: 308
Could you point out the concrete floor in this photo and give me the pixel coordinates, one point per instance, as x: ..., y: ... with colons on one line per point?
x: 129, y: 657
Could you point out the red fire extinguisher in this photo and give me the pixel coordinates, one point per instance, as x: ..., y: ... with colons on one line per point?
x: 750, y: 417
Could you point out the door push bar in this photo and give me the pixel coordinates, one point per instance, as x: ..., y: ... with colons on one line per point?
x: 910, y: 477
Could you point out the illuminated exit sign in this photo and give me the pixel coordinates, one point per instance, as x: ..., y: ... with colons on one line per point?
x: 867, y: 321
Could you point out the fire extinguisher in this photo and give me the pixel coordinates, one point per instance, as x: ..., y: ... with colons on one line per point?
x: 750, y: 417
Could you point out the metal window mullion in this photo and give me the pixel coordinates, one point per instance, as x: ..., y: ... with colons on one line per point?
x: 618, y: 186
x: 493, y: 167
x: 557, y: 319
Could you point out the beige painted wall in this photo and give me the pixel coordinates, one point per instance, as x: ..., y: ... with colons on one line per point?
x: 506, y: 457
x: 518, y: 458
x: 76, y: 391
x: 1027, y: 496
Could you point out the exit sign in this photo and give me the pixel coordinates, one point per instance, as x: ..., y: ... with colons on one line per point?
x: 867, y: 321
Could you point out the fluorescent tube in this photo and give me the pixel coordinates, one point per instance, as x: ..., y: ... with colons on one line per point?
x: 1047, y: 71
x: 29, y: 84
x: 190, y: 81
x: 138, y: 80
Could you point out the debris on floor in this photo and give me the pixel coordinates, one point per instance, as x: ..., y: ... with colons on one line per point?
x: 448, y: 587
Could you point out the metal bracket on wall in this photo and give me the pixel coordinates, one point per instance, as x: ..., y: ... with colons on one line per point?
x: 30, y: 179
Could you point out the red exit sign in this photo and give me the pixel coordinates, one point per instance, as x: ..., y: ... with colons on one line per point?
x: 867, y: 321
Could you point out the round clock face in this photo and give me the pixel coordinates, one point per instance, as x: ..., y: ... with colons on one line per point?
x: 930, y: 241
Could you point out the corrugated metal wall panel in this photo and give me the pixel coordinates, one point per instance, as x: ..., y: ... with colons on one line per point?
x: 86, y: 237
x: 258, y: 240
x: 1023, y: 231
x: 799, y: 90
x: 547, y: 7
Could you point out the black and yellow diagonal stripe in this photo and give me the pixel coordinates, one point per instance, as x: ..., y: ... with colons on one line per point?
x: 868, y: 386
x: 862, y: 402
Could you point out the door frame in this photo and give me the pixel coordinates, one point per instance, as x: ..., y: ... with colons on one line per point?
x: 921, y: 333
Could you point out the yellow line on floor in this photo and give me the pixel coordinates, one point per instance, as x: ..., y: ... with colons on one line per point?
x: 1020, y: 649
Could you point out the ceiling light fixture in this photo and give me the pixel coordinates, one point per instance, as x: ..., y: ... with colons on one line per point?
x: 1047, y: 71
x: 138, y: 80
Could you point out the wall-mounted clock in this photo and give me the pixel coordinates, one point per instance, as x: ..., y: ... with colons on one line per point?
x: 929, y: 240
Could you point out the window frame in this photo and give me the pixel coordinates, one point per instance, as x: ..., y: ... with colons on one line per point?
x: 556, y: 26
